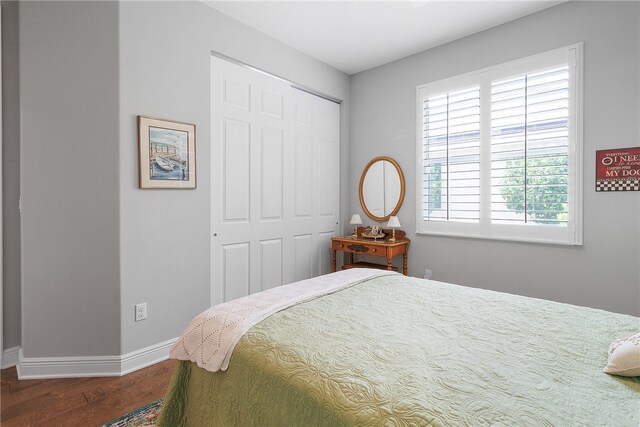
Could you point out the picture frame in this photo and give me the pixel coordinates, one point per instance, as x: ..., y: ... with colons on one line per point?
x: 618, y: 169
x: 167, y: 153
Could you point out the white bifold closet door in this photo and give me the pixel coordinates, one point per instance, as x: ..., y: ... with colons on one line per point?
x: 275, y: 181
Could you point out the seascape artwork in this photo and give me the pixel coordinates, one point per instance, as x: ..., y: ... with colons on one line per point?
x: 168, y: 154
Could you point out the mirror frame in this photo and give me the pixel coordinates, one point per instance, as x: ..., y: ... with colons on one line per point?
x: 402, y: 189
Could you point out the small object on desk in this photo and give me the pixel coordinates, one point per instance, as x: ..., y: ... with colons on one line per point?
x: 374, y: 233
x: 393, y: 223
x: 355, y: 220
x: 371, y: 235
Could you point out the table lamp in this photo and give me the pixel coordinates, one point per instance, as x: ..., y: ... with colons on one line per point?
x: 355, y: 220
x: 393, y: 224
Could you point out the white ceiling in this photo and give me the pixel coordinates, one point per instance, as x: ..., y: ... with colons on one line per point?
x: 354, y: 36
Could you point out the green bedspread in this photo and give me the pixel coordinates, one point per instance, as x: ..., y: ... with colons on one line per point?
x: 397, y: 351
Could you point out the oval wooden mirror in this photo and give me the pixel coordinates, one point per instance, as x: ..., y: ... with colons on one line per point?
x: 381, y: 188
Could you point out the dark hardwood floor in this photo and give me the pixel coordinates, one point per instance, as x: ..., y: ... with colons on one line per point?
x: 79, y: 401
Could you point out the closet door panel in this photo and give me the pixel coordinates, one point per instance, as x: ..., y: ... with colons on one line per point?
x: 275, y: 181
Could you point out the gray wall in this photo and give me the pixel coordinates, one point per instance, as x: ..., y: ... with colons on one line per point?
x: 11, y: 175
x: 164, y: 72
x: 93, y: 244
x: 604, y: 272
x: 70, y: 175
x: 90, y: 238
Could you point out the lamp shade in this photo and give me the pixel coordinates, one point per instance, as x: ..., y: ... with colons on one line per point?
x: 356, y: 220
x: 394, y: 222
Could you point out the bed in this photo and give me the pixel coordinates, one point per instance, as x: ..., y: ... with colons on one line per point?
x: 398, y: 351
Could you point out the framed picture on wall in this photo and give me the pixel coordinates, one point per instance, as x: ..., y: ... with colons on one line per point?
x: 618, y: 169
x: 167, y: 153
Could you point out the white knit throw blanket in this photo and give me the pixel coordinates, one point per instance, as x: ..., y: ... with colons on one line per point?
x: 211, y: 336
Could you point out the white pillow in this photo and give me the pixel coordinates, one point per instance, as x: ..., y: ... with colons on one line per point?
x: 624, y: 357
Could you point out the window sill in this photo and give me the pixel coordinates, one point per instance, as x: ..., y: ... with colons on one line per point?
x: 529, y: 240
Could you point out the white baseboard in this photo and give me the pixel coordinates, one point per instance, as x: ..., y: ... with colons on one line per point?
x: 146, y: 356
x: 10, y: 357
x: 68, y: 367
x: 92, y: 366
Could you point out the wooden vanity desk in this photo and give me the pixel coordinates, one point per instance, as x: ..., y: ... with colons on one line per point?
x: 364, y: 246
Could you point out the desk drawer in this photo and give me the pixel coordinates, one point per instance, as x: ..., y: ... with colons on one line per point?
x: 359, y: 248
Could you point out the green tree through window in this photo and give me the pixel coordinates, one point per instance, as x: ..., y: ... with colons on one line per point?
x: 546, y: 187
x: 435, y: 188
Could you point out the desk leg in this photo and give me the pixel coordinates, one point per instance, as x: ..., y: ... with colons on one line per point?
x: 333, y: 260
x: 404, y: 263
x: 389, y: 263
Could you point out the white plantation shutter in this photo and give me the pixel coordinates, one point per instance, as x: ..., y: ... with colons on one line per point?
x: 451, y: 152
x: 499, y: 151
x: 530, y: 148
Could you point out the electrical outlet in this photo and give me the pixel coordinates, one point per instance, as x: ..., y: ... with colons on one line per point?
x: 141, y: 311
x: 427, y: 274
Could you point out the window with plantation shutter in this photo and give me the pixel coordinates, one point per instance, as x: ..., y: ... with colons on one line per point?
x: 499, y: 151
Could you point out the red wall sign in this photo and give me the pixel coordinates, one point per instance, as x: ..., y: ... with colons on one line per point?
x: 618, y: 169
